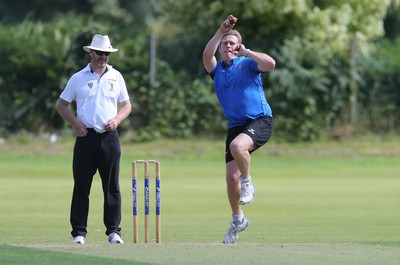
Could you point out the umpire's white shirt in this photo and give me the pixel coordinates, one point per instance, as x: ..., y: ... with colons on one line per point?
x: 96, y: 97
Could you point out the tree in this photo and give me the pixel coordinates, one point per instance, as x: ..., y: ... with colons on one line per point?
x: 38, y: 58
x: 310, y: 89
x: 310, y: 41
x: 43, y: 10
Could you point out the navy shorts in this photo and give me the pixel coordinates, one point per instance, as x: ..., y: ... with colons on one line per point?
x: 259, y: 130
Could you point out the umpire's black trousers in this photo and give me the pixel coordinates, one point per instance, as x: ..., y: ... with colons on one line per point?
x: 102, y: 152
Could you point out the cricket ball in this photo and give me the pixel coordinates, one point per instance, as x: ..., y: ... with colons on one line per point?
x: 232, y: 20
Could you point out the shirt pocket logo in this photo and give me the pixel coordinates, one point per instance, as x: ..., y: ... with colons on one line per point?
x: 112, y: 85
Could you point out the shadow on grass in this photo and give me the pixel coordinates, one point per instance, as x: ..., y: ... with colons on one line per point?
x: 11, y: 255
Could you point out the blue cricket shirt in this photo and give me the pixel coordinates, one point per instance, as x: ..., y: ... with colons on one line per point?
x: 240, y: 91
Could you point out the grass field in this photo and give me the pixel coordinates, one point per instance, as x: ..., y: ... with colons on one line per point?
x: 324, y: 203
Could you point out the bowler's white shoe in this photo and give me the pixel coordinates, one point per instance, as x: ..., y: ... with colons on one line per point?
x: 232, y: 234
x: 114, y: 238
x: 79, y: 240
x: 247, y: 192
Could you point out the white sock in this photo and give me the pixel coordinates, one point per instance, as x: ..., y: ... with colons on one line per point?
x: 245, y: 180
x: 238, y: 218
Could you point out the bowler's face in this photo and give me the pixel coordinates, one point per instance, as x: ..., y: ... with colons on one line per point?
x: 228, y: 46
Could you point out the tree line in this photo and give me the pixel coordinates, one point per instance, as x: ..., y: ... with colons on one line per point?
x: 336, y: 75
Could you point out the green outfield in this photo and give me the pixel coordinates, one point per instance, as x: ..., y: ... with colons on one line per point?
x: 326, y: 203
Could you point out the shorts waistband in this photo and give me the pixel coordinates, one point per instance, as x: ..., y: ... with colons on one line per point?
x: 93, y: 131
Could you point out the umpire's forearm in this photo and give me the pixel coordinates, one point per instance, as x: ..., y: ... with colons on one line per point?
x: 65, y: 112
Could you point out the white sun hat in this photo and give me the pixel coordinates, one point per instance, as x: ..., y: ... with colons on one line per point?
x: 100, y: 43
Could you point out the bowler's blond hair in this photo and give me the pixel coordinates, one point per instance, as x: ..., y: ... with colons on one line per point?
x: 234, y: 33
